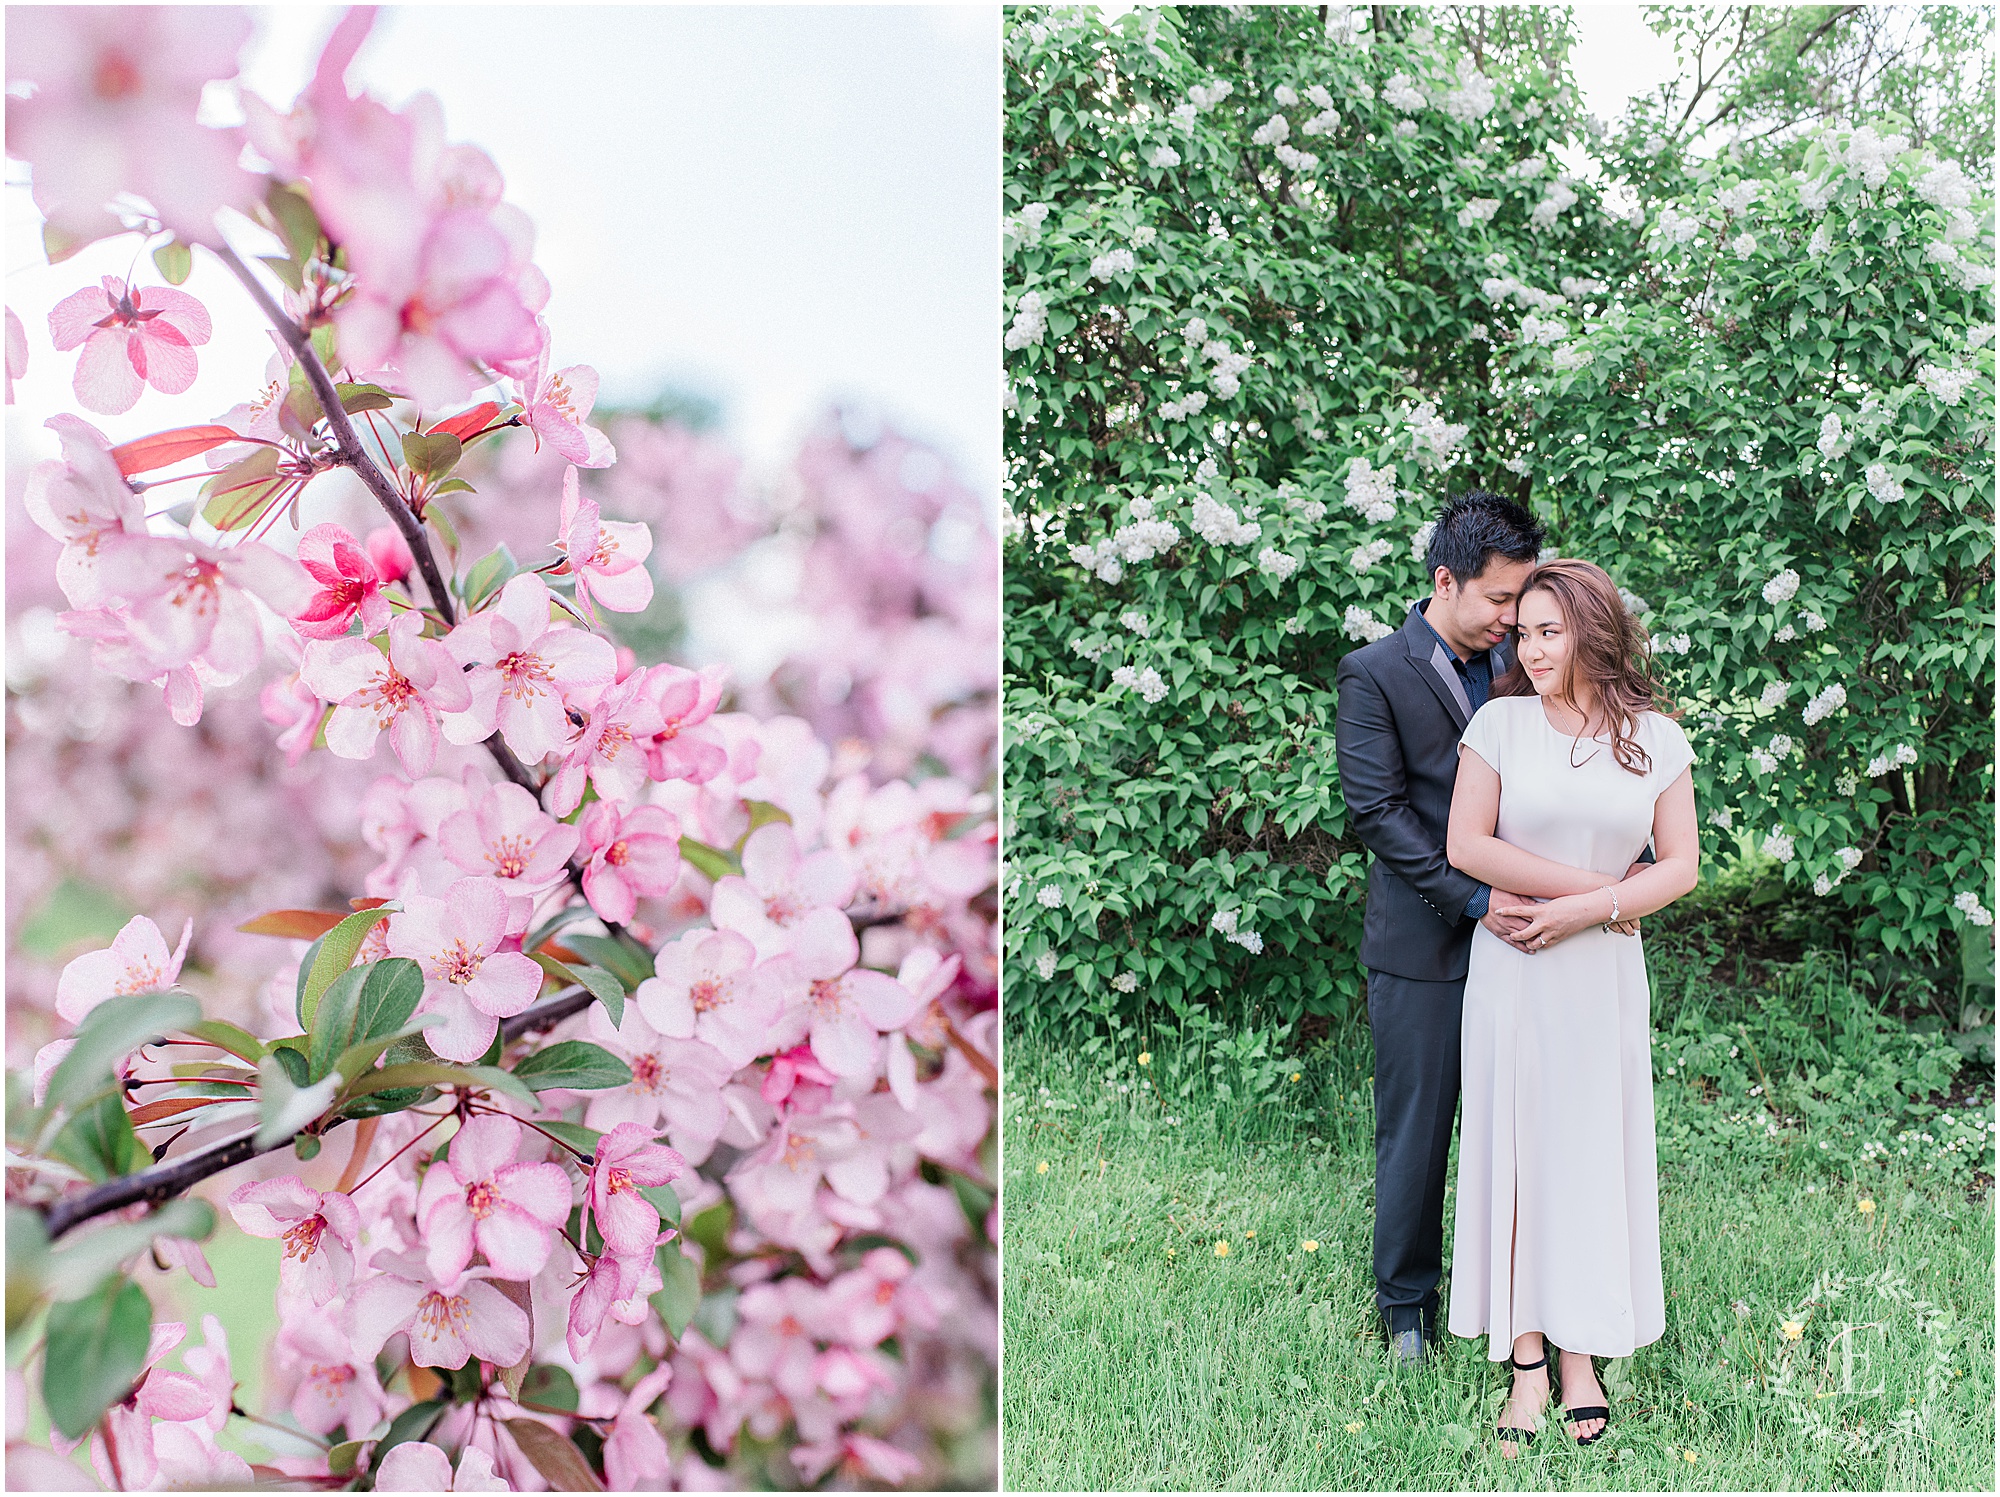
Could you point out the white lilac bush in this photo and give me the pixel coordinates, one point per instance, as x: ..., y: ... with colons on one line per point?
x: 1764, y: 404
x: 628, y: 1121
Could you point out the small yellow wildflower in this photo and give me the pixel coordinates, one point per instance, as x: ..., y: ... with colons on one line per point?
x: 1170, y: 1252
x: 1145, y: 1057
x: 1865, y: 1206
x: 1792, y: 1330
x: 1042, y: 1168
x: 1221, y: 1248
x: 1310, y: 1246
x: 1692, y: 1457
x: 1354, y: 1428
x: 1296, y: 1075
x: 1249, y: 1234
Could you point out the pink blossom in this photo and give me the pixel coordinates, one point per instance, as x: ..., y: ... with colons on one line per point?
x: 330, y: 1383
x: 390, y: 554
x: 129, y: 1425
x: 610, y: 748
x: 479, y: 1199
x: 676, y: 1081
x: 402, y: 822
x: 626, y: 1159
x: 113, y: 111
x: 779, y: 888
x: 522, y: 668
x: 635, y: 1454
x: 83, y: 501
x: 850, y: 1005
x: 319, y: 1232
x: 608, y: 1280
x: 448, y: 1323
x: 862, y: 1304
x: 707, y: 986
x: 467, y: 978
x: 557, y: 406
x: 774, y: 1336
x: 505, y: 834
x: 407, y: 691
x: 863, y: 1458
x: 130, y: 339
x: 630, y: 855
x: 185, y: 1252
x: 17, y: 352
x: 687, y: 747
x: 608, y: 557
x: 186, y: 600
x: 286, y: 702
x: 137, y: 961
x: 416, y: 1466
x: 349, y: 585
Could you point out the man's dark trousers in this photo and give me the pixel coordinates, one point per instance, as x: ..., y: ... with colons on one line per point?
x: 1416, y: 1030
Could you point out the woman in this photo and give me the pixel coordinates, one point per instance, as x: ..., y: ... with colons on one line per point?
x: 1563, y: 777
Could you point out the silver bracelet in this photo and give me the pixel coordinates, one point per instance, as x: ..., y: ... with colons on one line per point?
x: 1613, y: 892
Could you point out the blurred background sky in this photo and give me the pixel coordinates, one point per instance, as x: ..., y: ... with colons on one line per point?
x: 770, y: 207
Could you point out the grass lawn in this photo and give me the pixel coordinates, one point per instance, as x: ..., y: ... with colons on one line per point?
x: 1188, y: 1302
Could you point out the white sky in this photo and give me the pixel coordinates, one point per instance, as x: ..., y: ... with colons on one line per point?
x: 776, y: 206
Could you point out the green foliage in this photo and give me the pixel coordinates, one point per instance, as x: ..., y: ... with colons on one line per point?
x: 96, y: 1349
x: 575, y: 1065
x: 332, y: 954
x: 1220, y: 457
x: 363, y: 1004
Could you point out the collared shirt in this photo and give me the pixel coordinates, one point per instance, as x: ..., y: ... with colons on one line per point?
x: 1476, y: 676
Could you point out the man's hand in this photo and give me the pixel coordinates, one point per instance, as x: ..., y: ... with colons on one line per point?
x: 1505, y: 926
x: 1629, y: 927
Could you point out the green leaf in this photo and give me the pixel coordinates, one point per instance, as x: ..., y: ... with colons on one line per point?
x: 27, y: 1264
x: 601, y: 985
x: 284, y: 1106
x: 453, y: 486
x: 664, y: 1201
x: 552, y: 1387
x: 337, y: 949
x: 414, y: 1073
x: 575, y: 1134
x: 110, y: 1032
x: 710, y: 862
x: 679, y: 1295
x: 575, y: 1065
x: 288, y: 1054
x: 340, y: 1460
x: 414, y: 1423
x: 431, y: 454
x: 561, y: 1464
x: 237, y: 497
x: 507, y: 1082
x: 285, y: 270
x: 237, y: 1042
x: 96, y: 1350
x: 175, y: 260
x: 363, y: 1004
x: 629, y: 963
x: 356, y: 1059
x: 100, y: 1142
x: 297, y: 223
x: 354, y: 399
x: 489, y: 574
x: 82, y: 1263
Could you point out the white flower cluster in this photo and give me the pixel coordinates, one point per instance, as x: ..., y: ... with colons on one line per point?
x: 1045, y: 965
x: 1433, y: 438
x: 1318, y: 96
x: 1371, y: 492
x: 1577, y: 287
x: 1557, y: 199
x: 1743, y: 246
x: 1111, y: 263
x: 1144, y: 235
x: 1297, y: 160
x: 1965, y: 272
x: 1165, y: 156
x: 1720, y: 817
x: 1366, y: 556
x: 1738, y: 199
x: 1869, y: 156
x: 1846, y: 783
x: 1978, y: 335
x: 1968, y: 905
x: 1359, y: 624
x: 1945, y: 186
x: 1312, y: 511
x: 1137, y: 622
x: 1183, y: 115
x: 1884, y: 485
x: 1571, y: 356
x: 1224, y: 924
x: 1634, y: 604
x: 1400, y: 92
x: 1286, y: 95
x: 1820, y: 243
x: 1672, y: 644
x: 1126, y: 982
x: 1501, y: 288
x: 1344, y: 23
x: 1850, y: 859
x: 1146, y: 681
x: 1421, y: 542
x: 1226, y: 366
x: 1218, y: 525
x: 1527, y: 168
x: 1783, y: 587
x: 1816, y: 193
x: 1191, y: 403
x: 1896, y: 758
x: 1516, y: 464
x: 1779, y: 845
x: 1478, y: 211
x: 1026, y: 225
x: 1087, y: 650
x: 1031, y: 320
x: 1274, y: 131
x: 1327, y: 120
x: 1208, y: 95
x: 1774, y: 695
x: 1947, y: 385
x: 1296, y: 624
x: 1833, y: 442
x: 1141, y: 540
x: 1826, y: 703
x: 1473, y: 99
x: 1049, y: 896
x: 1676, y: 227
x: 1543, y: 330
x: 1277, y: 565
x: 1407, y: 129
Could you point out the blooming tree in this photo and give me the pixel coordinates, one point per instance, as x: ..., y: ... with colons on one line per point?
x: 654, y: 1054
x: 1360, y: 280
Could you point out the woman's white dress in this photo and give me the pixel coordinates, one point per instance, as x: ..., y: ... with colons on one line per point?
x: 1558, y: 1212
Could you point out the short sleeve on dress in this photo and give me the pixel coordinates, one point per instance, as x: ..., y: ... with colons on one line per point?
x: 1671, y: 751
x: 1482, y: 734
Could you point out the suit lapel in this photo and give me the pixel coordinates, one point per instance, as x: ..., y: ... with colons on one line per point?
x: 1438, y: 670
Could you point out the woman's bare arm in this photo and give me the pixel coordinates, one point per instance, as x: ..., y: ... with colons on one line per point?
x: 1471, y: 847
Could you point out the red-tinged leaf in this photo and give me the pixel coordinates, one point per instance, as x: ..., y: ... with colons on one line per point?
x: 168, y: 447
x: 173, y: 1107
x: 366, y: 902
x: 296, y: 925
x: 561, y: 1464
x: 465, y: 423
x: 561, y: 953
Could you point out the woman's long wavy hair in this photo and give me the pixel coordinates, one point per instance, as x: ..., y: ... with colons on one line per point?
x: 1607, y: 649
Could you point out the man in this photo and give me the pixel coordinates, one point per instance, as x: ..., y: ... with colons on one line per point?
x: 1404, y: 701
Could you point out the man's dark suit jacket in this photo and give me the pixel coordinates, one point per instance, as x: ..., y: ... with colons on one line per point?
x: 1396, y: 729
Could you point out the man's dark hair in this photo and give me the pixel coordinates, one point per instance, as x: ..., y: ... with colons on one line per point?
x: 1475, y: 526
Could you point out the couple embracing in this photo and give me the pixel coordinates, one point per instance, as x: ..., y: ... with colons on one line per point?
x: 1507, y: 760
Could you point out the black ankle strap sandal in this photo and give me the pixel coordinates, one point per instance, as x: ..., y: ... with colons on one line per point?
x: 1522, y: 1437
x: 1596, y: 1411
